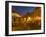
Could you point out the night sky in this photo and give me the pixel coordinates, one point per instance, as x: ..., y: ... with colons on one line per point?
x: 22, y: 9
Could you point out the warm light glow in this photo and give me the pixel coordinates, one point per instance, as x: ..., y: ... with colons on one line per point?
x: 29, y: 19
x: 15, y: 14
x: 37, y: 18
